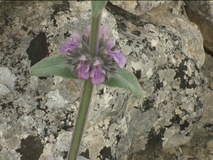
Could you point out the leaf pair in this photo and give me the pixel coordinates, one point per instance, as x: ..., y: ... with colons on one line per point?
x: 57, y: 65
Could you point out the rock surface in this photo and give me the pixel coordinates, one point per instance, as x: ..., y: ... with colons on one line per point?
x: 7, y: 81
x: 201, y: 13
x: 164, y: 51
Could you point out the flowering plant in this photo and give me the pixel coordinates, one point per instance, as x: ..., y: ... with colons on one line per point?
x: 99, y: 66
x: 93, y: 58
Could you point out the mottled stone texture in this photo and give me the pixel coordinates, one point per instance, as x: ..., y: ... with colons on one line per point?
x: 164, y: 51
x: 168, y: 68
x: 201, y: 13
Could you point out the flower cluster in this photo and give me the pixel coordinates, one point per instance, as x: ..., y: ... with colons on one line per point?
x: 97, y: 67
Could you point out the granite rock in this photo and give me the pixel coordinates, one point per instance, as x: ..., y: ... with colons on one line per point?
x: 138, y: 7
x: 201, y: 13
x: 7, y: 81
x: 168, y: 68
x: 164, y: 51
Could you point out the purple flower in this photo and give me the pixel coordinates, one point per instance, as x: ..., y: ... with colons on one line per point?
x: 76, y: 49
x: 110, y: 43
x: 83, y: 68
x: 97, y: 74
x: 118, y: 56
x: 72, y: 44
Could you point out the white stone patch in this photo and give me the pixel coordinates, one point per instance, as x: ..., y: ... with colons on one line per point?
x: 55, y: 100
x: 47, y: 152
x: 7, y: 81
x: 63, y: 141
x: 172, y: 137
x: 57, y: 79
x: 13, y: 143
x: 9, y: 154
x: 167, y: 75
x: 149, y: 73
x: 4, y: 90
x: 136, y: 65
x: 126, y: 49
x: 210, y: 146
x: 82, y: 158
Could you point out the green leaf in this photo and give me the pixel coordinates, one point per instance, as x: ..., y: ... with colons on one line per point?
x: 54, y: 65
x: 125, y: 79
x: 97, y: 7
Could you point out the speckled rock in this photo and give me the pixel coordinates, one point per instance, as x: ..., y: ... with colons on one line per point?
x: 138, y: 7
x: 165, y: 52
x: 201, y: 13
x: 206, y: 120
x: 165, y: 64
x: 7, y: 81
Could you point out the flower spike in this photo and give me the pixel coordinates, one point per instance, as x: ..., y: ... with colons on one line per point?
x: 83, y: 68
x: 72, y: 44
x: 118, y: 56
x: 97, y: 74
x: 97, y: 68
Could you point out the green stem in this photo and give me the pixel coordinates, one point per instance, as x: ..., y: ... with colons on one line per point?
x: 86, y: 95
x: 81, y: 119
x: 94, y: 35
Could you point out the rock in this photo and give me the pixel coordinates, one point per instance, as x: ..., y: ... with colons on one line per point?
x: 166, y: 57
x: 4, y: 90
x: 63, y: 141
x: 164, y: 51
x: 55, y: 100
x: 82, y: 158
x: 7, y: 81
x: 201, y: 13
x: 7, y: 154
x: 31, y: 148
x: 138, y: 7
x: 210, y: 146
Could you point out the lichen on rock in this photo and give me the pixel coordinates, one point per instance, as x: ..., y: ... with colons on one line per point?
x: 164, y: 51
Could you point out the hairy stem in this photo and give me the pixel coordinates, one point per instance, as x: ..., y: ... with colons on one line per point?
x: 86, y: 95
x: 94, y: 35
x: 81, y: 119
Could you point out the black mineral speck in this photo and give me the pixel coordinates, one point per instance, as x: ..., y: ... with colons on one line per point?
x: 184, y: 78
x: 38, y: 48
x: 129, y: 42
x: 64, y: 6
x: 198, y: 105
x: 25, y: 28
x: 148, y: 104
x: 176, y: 119
x: 184, y: 125
x: 31, y: 148
x: 85, y: 154
x: 208, y: 127
x: 137, y: 33
x: 137, y: 73
x: 118, y: 137
x: 144, y: 40
x: 66, y: 34
x: 158, y: 83
x: 101, y: 92
x: 105, y: 153
x: 65, y: 153
x: 123, y: 26
x: 155, y: 139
